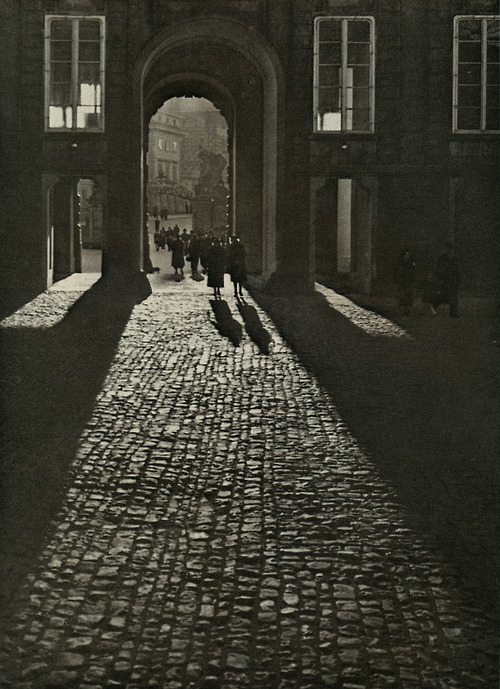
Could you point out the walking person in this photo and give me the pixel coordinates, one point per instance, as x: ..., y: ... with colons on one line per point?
x: 404, y: 277
x: 193, y: 254
x: 216, y: 267
x: 178, y: 254
x: 236, y: 261
x: 448, y: 280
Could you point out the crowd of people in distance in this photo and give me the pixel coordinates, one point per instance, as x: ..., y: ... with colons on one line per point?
x: 207, y: 253
x: 439, y: 287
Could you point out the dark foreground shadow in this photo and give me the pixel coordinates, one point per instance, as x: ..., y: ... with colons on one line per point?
x: 426, y: 414
x: 50, y: 379
x: 225, y: 323
x: 255, y: 330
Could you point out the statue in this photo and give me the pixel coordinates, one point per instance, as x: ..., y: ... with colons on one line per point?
x: 210, y: 194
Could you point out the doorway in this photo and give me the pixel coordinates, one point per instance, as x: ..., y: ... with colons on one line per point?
x: 213, y: 58
x: 343, y: 211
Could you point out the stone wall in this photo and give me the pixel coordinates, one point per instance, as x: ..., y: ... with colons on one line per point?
x: 412, y: 157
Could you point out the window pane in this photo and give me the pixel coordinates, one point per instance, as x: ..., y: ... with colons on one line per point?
x: 358, y: 31
x: 60, y: 72
x: 361, y: 76
x: 88, y: 117
x: 329, y: 30
x: 469, y: 119
x: 469, y: 96
x: 469, y: 74
x: 492, y: 96
x: 469, y: 29
x: 360, y: 98
x: 330, y: 122
x: 328, y: 99
x: 60, y: 118
x: 89, y: 30
x: 60, y: 94
x: 60, y: 51
x: 492, y: 74
x: 493, y: 29
x: 358, y: 54
x: 89, y: 52
x: 90, y: 94
x: 89, y: 73
x: 493, y: 119
x: 60, y: 29
x: 329, y: 53
x: 492, y: 52
x: 360, y: 119
x: 469, y: 52
x: 329, y: 76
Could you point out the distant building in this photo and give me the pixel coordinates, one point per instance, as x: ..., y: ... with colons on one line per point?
x: 165, y: 189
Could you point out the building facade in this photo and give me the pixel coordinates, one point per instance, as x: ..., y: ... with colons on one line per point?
x: 165, y: 192
x: 355, y: 127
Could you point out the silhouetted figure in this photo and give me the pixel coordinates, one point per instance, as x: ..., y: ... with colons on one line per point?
x: 205, y: 244
x: 185, y: 238
x: 404, y: 277
x: 236, y: 256
x: 448, y: 280
x: 216, y: 267
x: 178, y: 254
x: 193, y: 254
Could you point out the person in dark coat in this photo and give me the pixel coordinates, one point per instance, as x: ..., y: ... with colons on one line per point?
x: 178, y: 254
x: 205, y: 244
x: 185, y: 238
x: 216, y: 267
x: 448, y: 280
x: 404, y: 277
x: 236, y: 263
x: 193, y: 254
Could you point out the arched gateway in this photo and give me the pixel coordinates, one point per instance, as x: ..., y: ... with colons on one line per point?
x: 232, y: 66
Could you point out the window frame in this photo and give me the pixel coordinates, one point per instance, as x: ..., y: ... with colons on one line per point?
x: 344, y: 19
x: 75, y: 21
x: 484, y: 84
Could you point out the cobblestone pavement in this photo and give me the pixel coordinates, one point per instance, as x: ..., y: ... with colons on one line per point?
x: 221, y: 527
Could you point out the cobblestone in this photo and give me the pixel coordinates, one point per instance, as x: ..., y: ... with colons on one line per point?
x: 222, y: 527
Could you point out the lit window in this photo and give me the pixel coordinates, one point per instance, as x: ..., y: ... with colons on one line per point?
x: 344, y: 74
x: 74, y: 73
x: 476, y: 62
x: 160, y: 144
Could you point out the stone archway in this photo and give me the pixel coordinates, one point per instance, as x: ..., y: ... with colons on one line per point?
x: 233, y: 66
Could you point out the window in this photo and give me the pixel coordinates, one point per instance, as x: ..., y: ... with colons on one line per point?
x: 74, y: 73
x: 344, y: 74
x: 476, y: 41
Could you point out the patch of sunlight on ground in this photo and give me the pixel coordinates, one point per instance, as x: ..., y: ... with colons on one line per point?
x: 44, y: 311
x: 371, y: 323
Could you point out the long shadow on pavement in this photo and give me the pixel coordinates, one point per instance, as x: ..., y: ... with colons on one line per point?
x: 225, y: 323
x: 253, y: 326
x: 425, y: 415
x: 50, y: 379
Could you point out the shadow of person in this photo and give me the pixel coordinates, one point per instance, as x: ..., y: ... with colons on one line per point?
x: 225, y: 323
x: 255, y: 330
x: 50, y: 379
